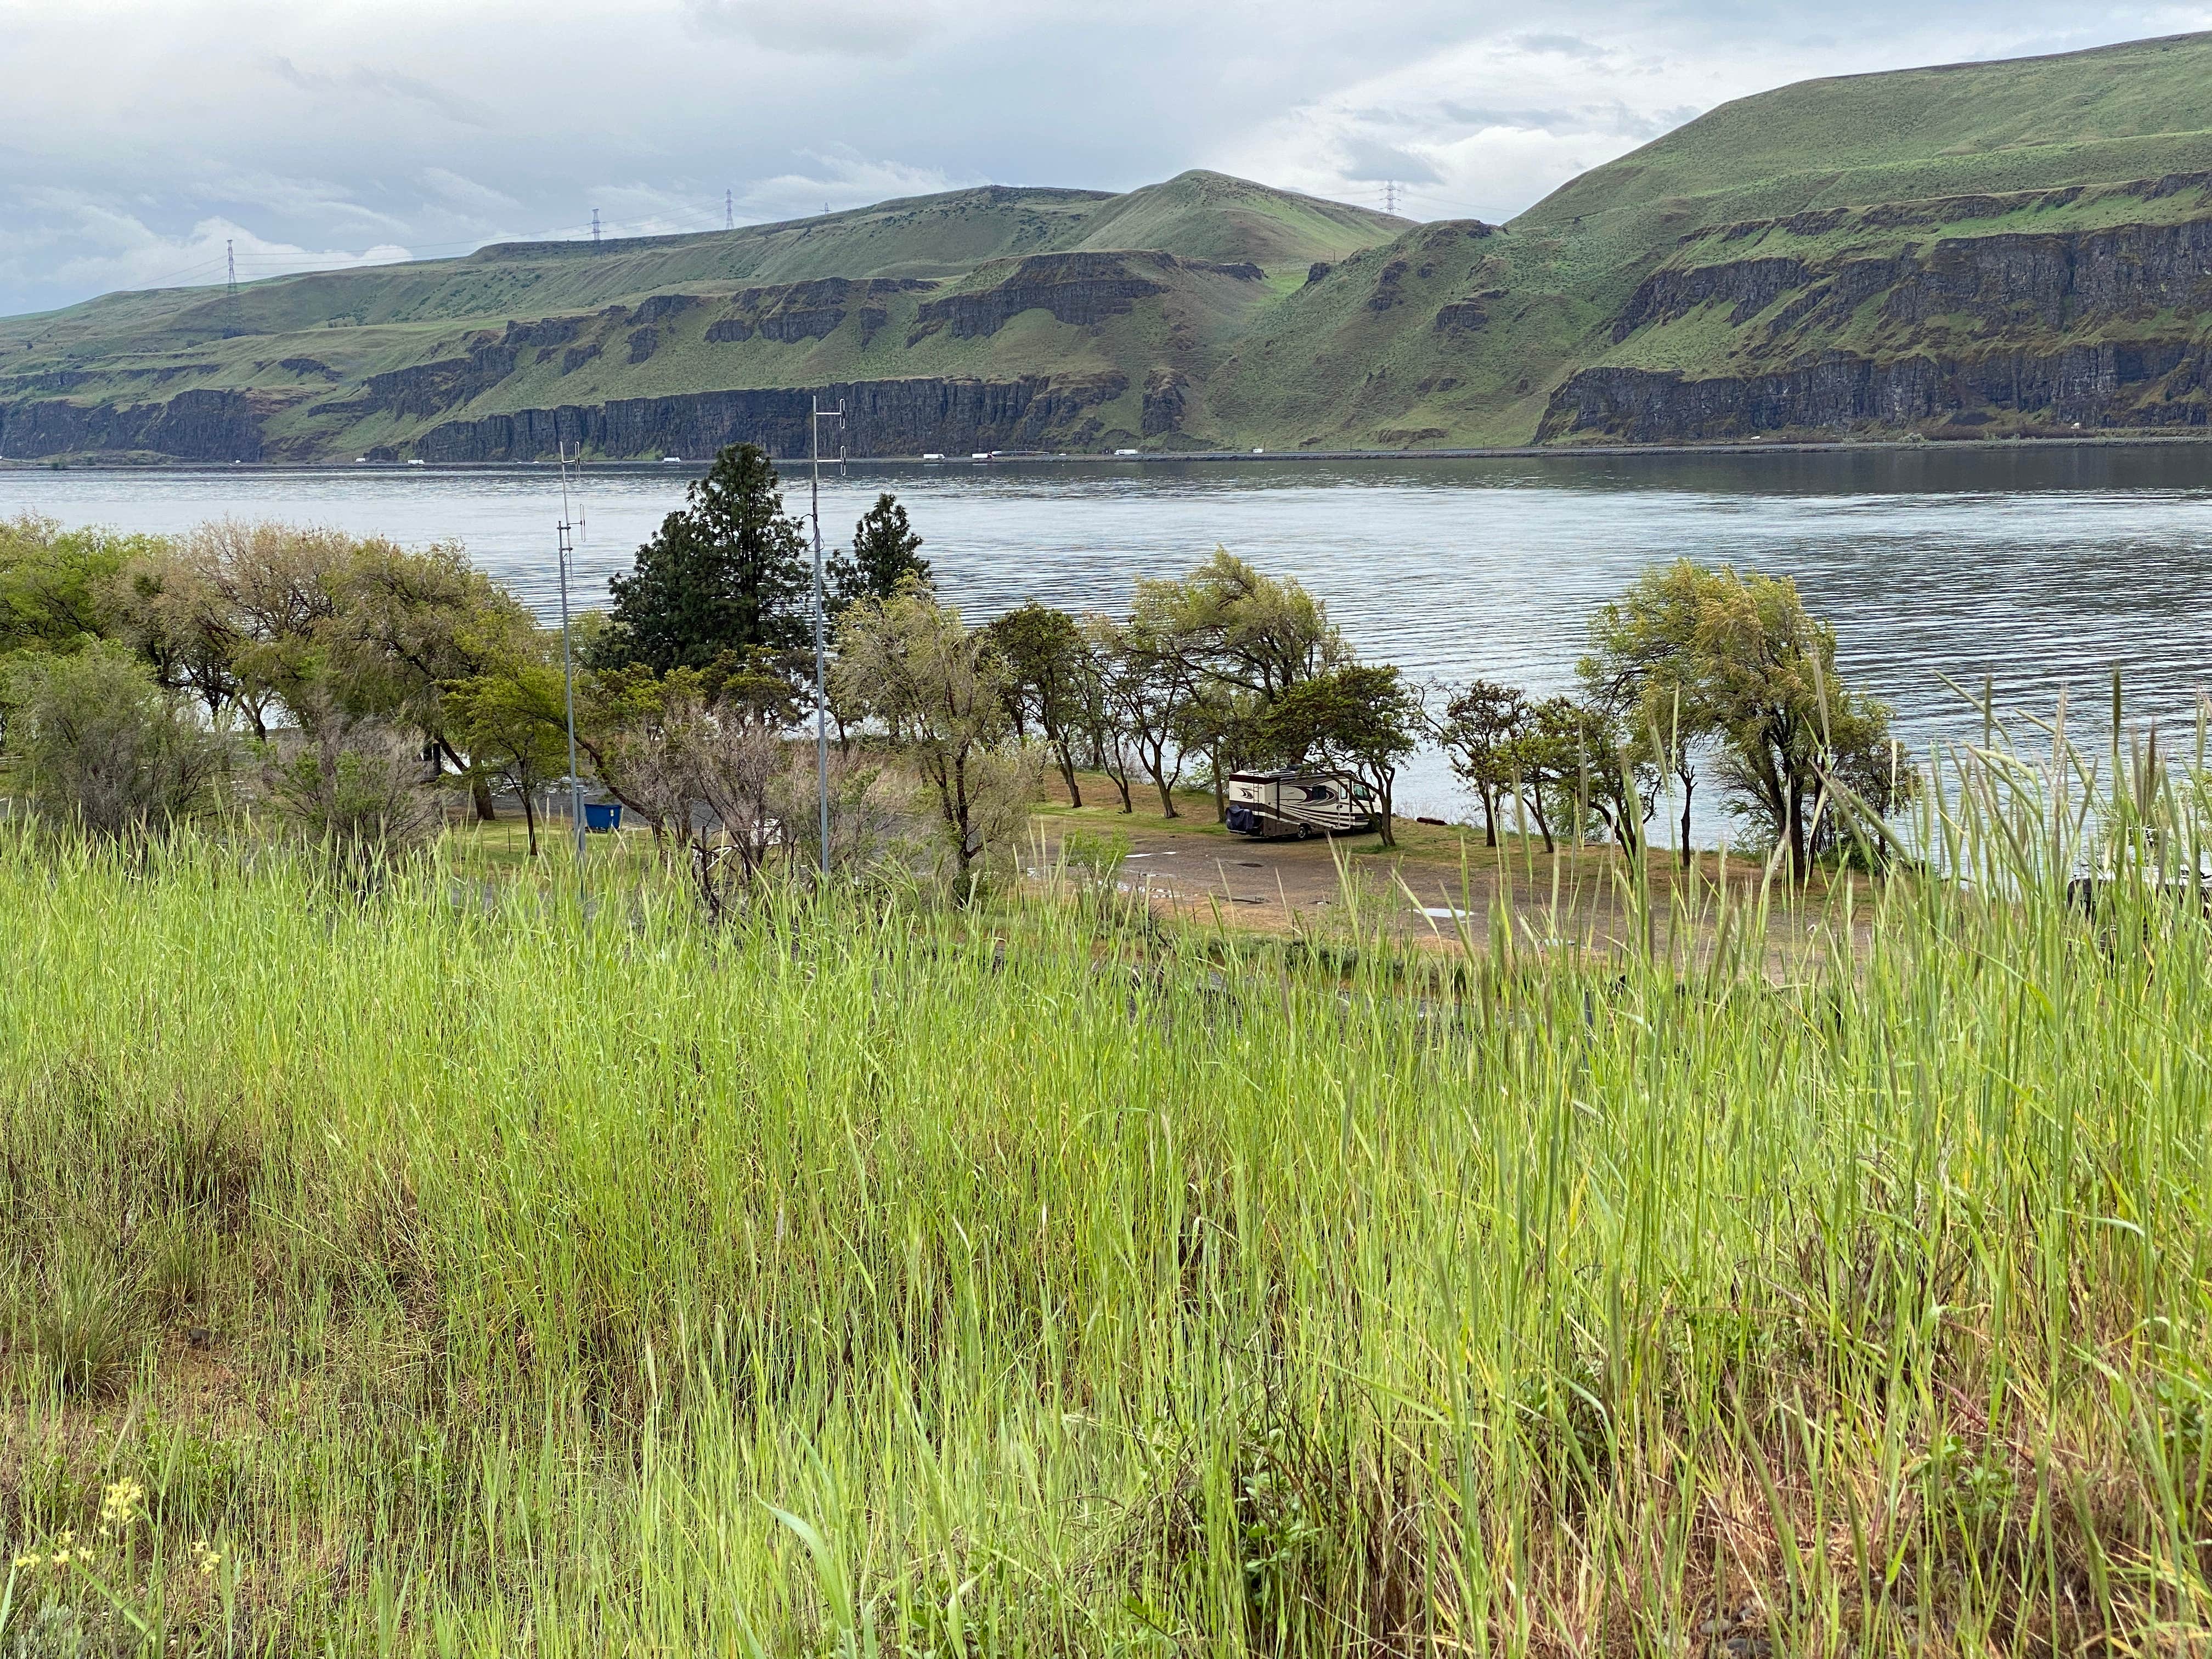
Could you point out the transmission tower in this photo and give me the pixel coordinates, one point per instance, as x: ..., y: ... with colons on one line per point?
x: 1390, y: 196
x: 230, y: 267
x: 595, y: 224
x: 729, y: 210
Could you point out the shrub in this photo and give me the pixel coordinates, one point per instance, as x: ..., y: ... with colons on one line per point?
x: 357, y: 787
x: 98, y: 744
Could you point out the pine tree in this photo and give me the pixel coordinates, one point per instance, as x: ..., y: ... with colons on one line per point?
x: 728, y: 572
x: 886, y: 552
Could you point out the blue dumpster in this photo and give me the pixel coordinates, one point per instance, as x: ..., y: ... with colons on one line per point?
x: 599, y: 818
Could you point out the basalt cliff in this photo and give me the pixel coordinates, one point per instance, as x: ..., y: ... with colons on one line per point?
x: 2020, y: 248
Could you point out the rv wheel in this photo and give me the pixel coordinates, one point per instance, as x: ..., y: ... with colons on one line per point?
x: 1305, y: 832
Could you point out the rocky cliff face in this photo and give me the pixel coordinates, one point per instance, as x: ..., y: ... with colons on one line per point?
x: 193, y: 426
x: 1080, y: 288
x: 882, y: 417
x: 2096, y: 327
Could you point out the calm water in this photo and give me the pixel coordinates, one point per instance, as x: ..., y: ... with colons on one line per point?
x: 2044, y: 568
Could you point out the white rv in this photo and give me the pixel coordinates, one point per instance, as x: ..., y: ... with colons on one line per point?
x: 1300, y: 804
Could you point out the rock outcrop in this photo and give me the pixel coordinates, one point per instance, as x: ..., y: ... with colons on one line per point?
x: 882, y: 417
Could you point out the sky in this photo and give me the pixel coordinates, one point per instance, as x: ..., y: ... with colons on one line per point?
x: 136, y: 139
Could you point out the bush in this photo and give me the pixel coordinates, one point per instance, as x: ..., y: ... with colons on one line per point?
x: 96, y: 743
x: 357, y: 787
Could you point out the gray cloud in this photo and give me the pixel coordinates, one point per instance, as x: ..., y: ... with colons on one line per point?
x: 137, y: 138
x: 1366, y: 160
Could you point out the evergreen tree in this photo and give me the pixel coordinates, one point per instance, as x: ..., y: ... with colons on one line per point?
x: 729, y: 572
x: 885, y: 553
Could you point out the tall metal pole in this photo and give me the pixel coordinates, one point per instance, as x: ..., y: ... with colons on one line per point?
x: 821, y: 615
x: 568, y: 682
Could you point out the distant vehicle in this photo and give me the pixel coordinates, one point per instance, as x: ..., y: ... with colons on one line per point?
x: 932, y: 456
x: 671, y: 460
x: 418, y: 462
x: 358, y: 459
x: 981, y: 455
x: 1124, y: 452
x: 1258, y: 450
x: 1301, y: 804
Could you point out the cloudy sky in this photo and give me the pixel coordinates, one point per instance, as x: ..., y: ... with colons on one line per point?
x: 136, y: 137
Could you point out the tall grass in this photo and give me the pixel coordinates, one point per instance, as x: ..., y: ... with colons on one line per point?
x: 864, y: 1277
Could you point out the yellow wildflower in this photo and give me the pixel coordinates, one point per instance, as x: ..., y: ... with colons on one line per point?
x: 122, y: 1503
x: 29, y: 1562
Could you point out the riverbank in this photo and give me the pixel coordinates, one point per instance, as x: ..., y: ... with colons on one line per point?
x: 1909, y: 445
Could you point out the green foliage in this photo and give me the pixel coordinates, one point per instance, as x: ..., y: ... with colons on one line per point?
x: 940, y: 687
x: 1364, y: 719
x: 98, y: 745
x: 885, y: 556
x: 728, y: 572
x: 1694, y: 657
x: 58, y: 588
x: 1044, y: 652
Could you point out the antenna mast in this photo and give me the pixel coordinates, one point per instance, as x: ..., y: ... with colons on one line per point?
x: 821, y: 652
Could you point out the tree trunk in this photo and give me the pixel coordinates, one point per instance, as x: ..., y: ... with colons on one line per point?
x: 529, y: 821
x: 1067, y: 770
x: 1543, y: 824
x: 1489, y: 817
x: 1390, y: 831
x: 1689, y: 782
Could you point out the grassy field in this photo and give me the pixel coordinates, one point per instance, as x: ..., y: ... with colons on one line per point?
x: 440, y: 1271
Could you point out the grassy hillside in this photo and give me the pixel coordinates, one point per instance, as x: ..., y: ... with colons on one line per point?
x: 2016, y: 246
x: 1442, y: 339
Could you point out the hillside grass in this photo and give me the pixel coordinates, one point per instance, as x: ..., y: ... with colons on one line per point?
x: 438, y: 1269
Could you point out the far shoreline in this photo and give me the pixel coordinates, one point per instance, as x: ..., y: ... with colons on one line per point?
x: 2016, y: 444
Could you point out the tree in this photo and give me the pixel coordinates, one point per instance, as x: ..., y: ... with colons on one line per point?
x: 1145, y: 683
x: 408, y: 624
x: 942, y: 686
x: 1643, y: 668
x: 884, y: 557
x: 511, y: 719
x: 1582, y: 769
x: 1482, y: 730
x: 1362, y: 719
x: 58, y: 586
x: 97, y: 742
x: 1754, y: 669
x: 1261, y: 634
x: 728, y: 572
x: 1233, y: 640
x: 1043, y: 649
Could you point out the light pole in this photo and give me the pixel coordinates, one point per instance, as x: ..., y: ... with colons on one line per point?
x: 568, y: 679
x: 821, y: 616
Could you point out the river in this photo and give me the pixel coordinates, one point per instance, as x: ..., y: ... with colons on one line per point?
x: 2041, y: 567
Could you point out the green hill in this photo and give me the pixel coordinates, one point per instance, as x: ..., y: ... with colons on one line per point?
x: 2016, y: 246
